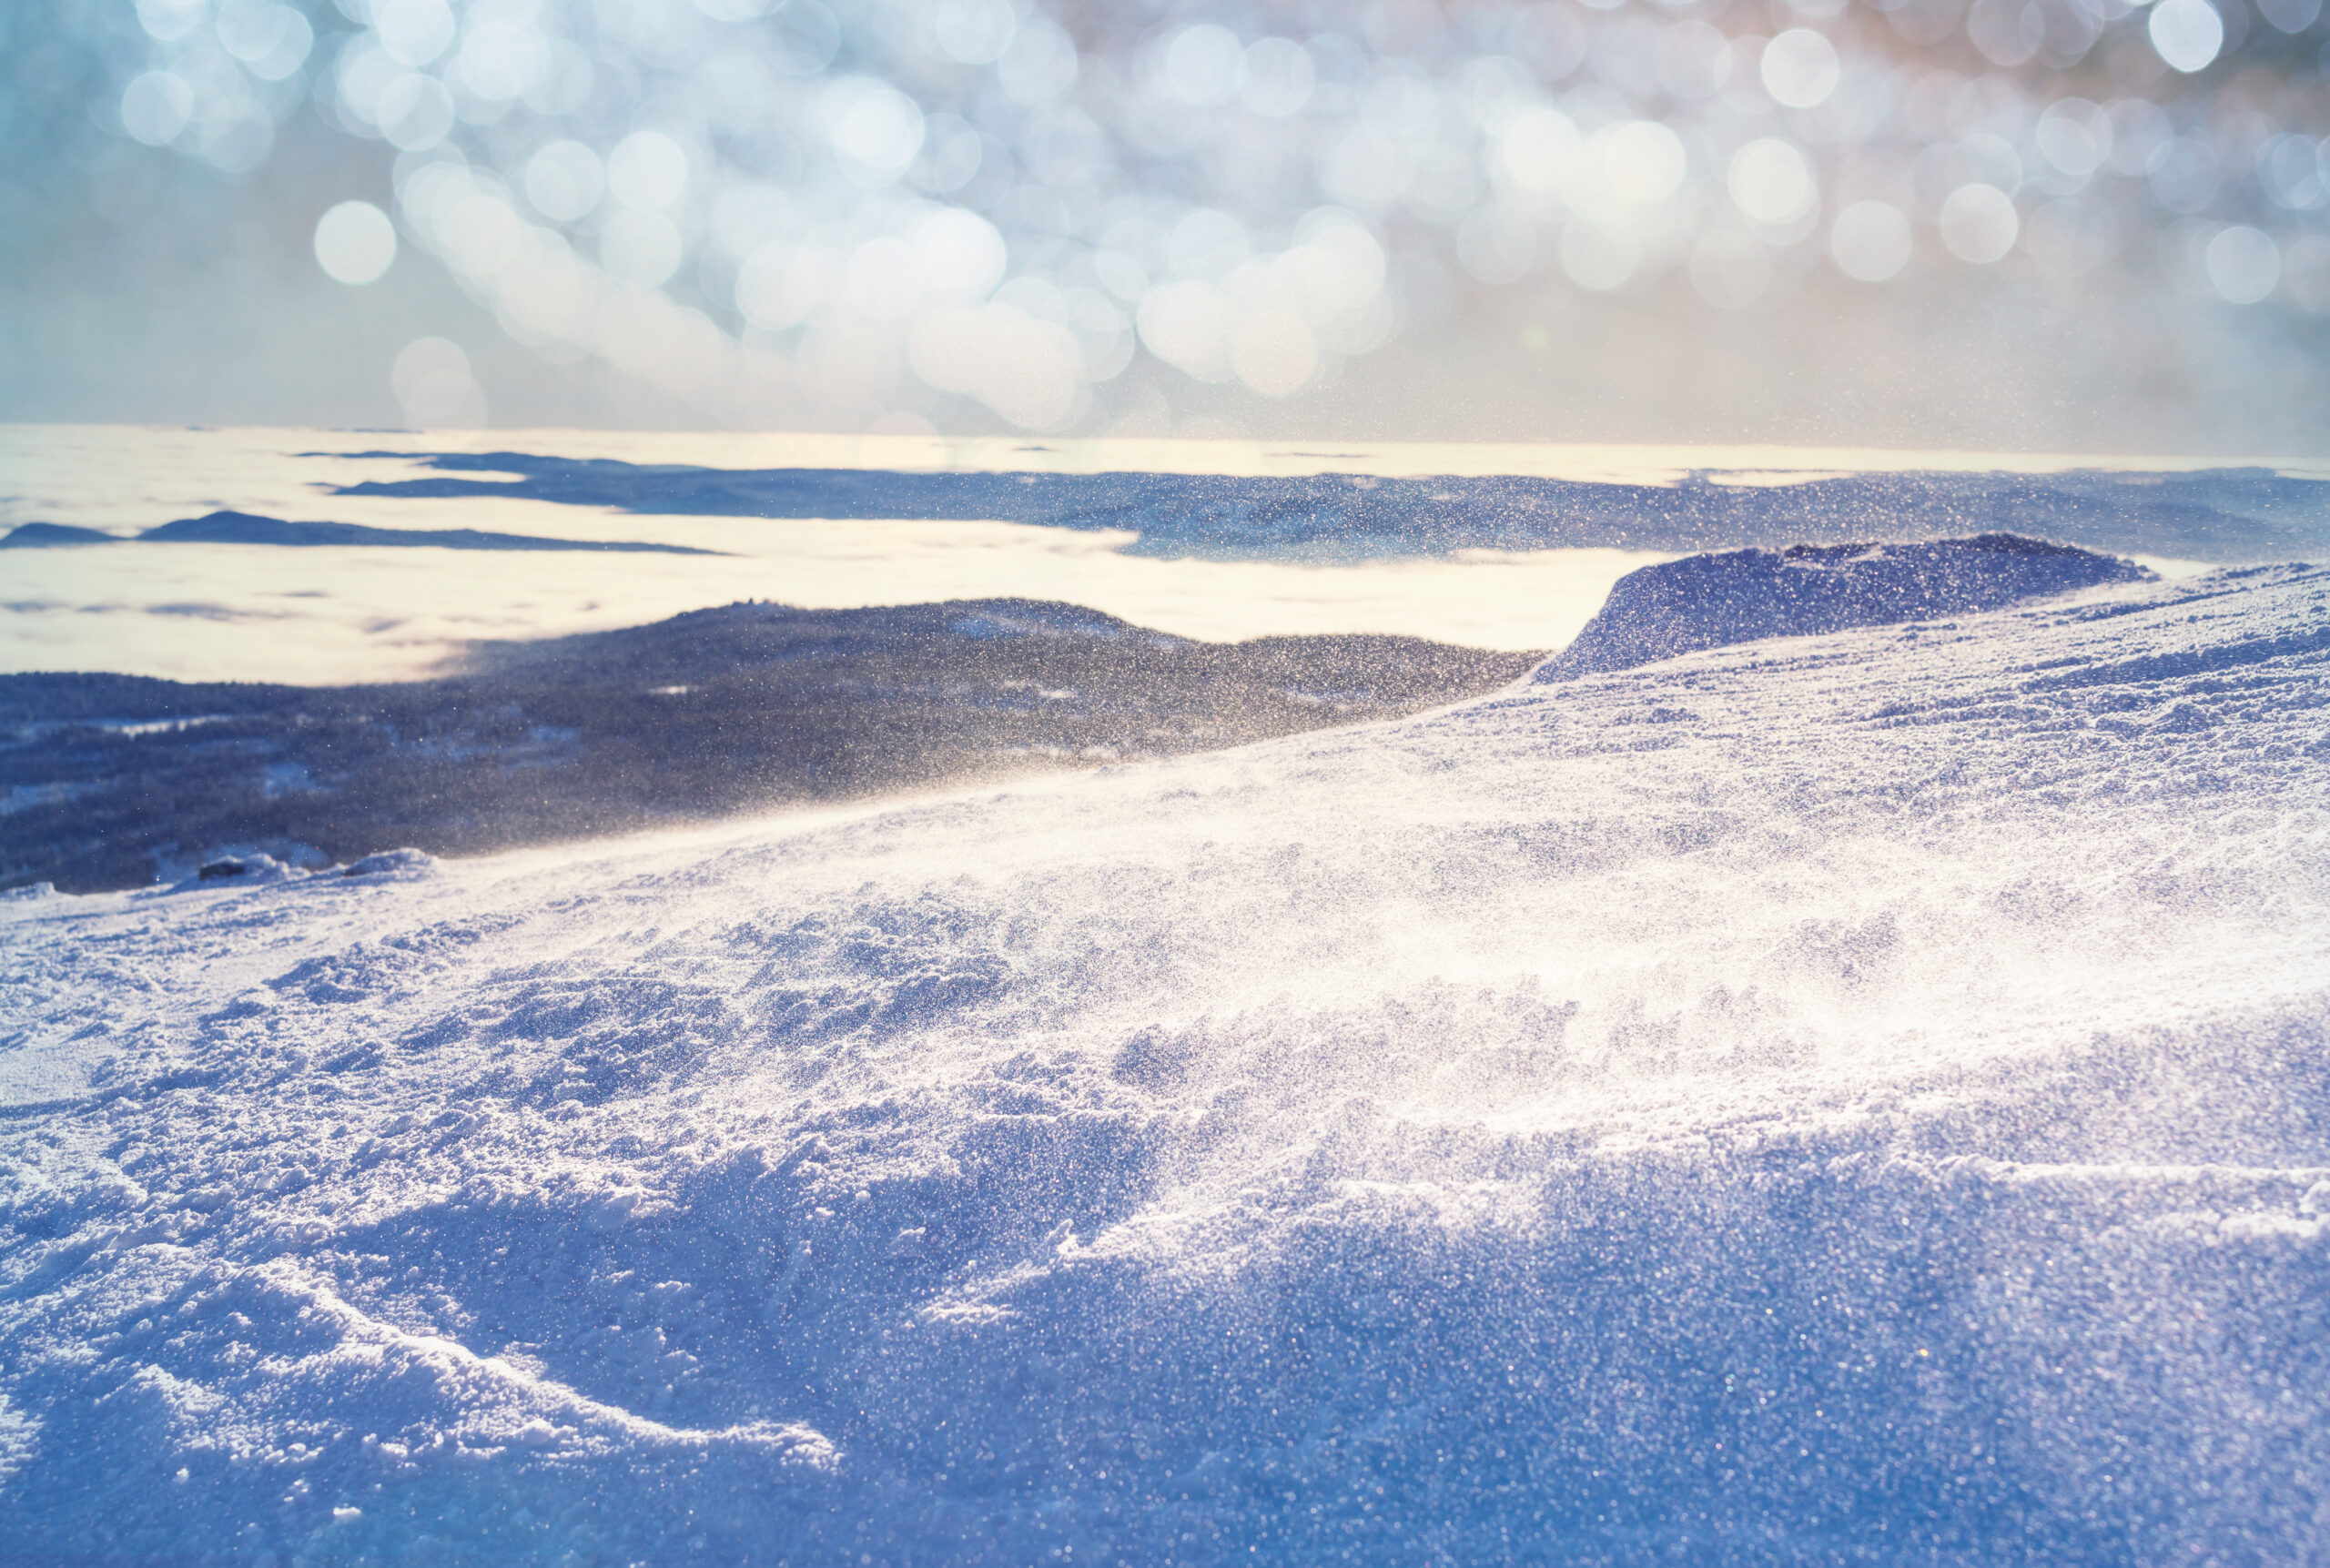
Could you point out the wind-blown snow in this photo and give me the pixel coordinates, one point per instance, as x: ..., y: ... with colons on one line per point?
x: 1855, y: 1099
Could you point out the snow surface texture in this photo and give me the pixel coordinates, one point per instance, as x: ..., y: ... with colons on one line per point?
x: 1862, y: 1099
x: 1713, y: 601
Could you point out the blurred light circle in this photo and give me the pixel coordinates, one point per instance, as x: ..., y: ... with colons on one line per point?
x: 875, y: 128
x: 238, y: 142
x: 1275, y: 77
x: 1207, y: 243
x: 2139, y: 133
x: 548, y: 291
x: 431, y: 186
x: 1366, y: 168
x: 1121, y: 274
x: 476, y: 234
x: 692, y: 355
x: 733, y: 10
x: 360, y: 74
x: 415, y: 112
x: 1769, y: 180
x: 1730, y: 271
x: 1694, y: 60
x: 1274, y: 352
x: 1033, y: 379
x: 155, y: 107
x: 2185, y: 34
x: 1870, y: 241
x: 1988, y: 159
x: 781, y: 285
x: 2244, y: 264
x: 1643, y: 160
x: 354, y: 242
x: 271, y: 41
x: 413, y: 31
x: 952, y: 154
x: 1800, y: 67
x: 1202, y: 64
x: 1979, y: 223
x: 2290, y: 16
x: 2295, y: 172
x: 565, y: 180
x: 2007, y: 32
x: 2184, y: 173
x: 881, y: 282
x: 1337, y: 267
x: 167, y: 20
x: 1538, y: 148
x: 1550, y: 39
x: 432, y: 381
x: 1038, y: 65
x: 947, y: 348
x: 1063, y: 148
x: 648, y: 169
x: 501, y: 61
x: 640, y: 247
x: 1597, y: 258
x: 801, y: 39
x: 2074, y: 134
x: 1027, y: 370
x: 958, y: 254
x: 975, y: 32
x: 1187, y: 325
x: 1496, y: 245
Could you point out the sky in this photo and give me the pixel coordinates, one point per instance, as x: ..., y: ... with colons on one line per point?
x: 2073, y: 225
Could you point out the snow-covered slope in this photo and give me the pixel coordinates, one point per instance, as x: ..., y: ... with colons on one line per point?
x: 1741, y: 595
x: 1863, y: 1099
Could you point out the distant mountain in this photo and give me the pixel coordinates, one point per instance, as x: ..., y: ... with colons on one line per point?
x: 50, y: 535
x: 244, y: 528
x: 1713, y: 601
x: 2230, y: 514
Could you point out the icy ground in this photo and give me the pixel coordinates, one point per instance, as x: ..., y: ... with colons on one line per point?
x: 1855, y: 1099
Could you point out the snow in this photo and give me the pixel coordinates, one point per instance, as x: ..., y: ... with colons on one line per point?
x: 1859, y: 1098
x: 1741, y: 595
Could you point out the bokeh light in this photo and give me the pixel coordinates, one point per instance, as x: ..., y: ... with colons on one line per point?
x: 354, y: 242
x: 841, y: 215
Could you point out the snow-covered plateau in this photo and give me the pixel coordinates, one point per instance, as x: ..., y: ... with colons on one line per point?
x: 1850, y: 1098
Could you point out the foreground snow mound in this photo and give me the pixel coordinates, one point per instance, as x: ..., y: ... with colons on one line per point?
x: 1715, y: 601
x: 1861, y: 1102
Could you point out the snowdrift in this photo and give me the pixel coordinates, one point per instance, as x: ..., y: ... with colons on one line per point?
x: 1740, y: 596
x: 1866, y: 1101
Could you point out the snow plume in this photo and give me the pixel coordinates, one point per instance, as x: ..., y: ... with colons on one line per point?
x: 1858, y: 1098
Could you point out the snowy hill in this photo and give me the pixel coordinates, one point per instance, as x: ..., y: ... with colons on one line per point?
x: 114, y: 782
x: 1715, y: 601
x: 1858, y: 1099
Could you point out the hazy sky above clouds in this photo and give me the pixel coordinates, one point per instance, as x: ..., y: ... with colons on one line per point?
x: 2061, y: 223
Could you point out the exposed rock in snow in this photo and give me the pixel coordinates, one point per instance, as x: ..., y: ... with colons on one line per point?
x: 397, y: 865
x: 243, y: 869
x: 1714, y: 601
x: 1866, y: 1101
